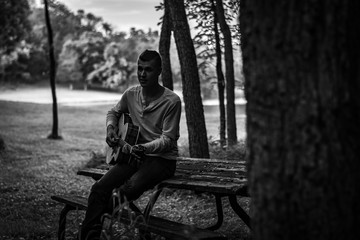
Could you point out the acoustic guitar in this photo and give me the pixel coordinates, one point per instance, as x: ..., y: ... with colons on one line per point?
x: 128, y: 133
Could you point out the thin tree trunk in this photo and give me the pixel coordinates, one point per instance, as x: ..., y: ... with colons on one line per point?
x: 198, y: 145
x: 230, y: 78
x: 54, y: 133
x: 164, y: 48
x: 221, y: 80
x: 301, y: 65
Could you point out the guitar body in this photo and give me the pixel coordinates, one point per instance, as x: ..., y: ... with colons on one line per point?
x: 128, y: 133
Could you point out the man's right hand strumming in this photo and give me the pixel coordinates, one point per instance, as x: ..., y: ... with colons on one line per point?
x: 111, y: 137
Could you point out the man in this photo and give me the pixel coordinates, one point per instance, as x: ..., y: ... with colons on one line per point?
x: 156, y: 111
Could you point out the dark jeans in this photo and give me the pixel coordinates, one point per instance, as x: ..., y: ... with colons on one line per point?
x: 132, y: 181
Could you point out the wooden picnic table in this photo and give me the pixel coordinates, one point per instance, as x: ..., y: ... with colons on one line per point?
x: 221, y: 178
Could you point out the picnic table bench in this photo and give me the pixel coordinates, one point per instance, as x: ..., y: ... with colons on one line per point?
x: 221, y: 178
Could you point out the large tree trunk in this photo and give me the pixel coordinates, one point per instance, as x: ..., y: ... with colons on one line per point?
x: 164, y: 48
x: 220, y: 78
x: 198, y: 145
x: 54, y: 133
x: 301, y: 65
x: 230, y: 78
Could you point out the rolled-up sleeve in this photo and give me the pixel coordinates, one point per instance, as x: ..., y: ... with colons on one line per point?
x: 159, y: 145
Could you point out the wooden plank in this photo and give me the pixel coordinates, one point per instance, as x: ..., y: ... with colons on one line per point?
x: 204, y: 182
x: 204, y: 176
x: 214, y: 174
x: 212, y: 160
x: 75, y: 201
x: 206, y: 186
x: 156, y: 225
x: 92, y: 172
x: 199, y: 166
x: 235, y: 173
x: 211, y: 178
x: 213, y: 168
x: 223, y: 163
x: 203, y: 160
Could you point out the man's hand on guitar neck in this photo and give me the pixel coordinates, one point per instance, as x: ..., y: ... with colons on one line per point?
x: 112, y: 138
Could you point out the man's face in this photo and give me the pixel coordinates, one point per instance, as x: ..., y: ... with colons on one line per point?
x: 148, y: 73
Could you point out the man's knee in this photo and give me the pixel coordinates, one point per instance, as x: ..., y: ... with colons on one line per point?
x: 132, y: 191
x: 99, y: 193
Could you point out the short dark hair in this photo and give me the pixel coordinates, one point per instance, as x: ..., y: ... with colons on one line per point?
x: 149, y: 55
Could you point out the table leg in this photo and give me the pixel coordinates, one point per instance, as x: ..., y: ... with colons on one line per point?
x: 135, y: 208
x: 220, y: 214
x: 152, y: 202
x: 239, y: 211
x: 145, y: 234
x: 62, y: 221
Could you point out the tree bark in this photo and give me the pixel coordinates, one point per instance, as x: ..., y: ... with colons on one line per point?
x: 198, y: 145
x: 164, y: 48
x: 302, y: 82
x: 54, y: 133
x: 230, y: 78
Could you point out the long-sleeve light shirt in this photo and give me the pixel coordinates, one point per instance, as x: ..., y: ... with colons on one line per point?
x: 159, y: 122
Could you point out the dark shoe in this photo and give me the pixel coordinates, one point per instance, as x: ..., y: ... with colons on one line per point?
x: 94, y: 233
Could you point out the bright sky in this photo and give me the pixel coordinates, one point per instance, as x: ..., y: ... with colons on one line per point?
x: 122, y: 14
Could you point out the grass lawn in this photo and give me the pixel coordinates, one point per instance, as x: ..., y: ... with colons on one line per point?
x: 33, y: 167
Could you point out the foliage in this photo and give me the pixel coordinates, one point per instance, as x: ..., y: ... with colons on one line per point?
x: 91, y: 51
x: 65, y: 25
x: 202, y: 12
x: 38, y: 64
x: 69, y: 65
x: 34, y: 63
x: 102, y: 60
x: 70, y: 27
x: 13, y: 23
x: 15, y: 63
x: 114, y: 71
